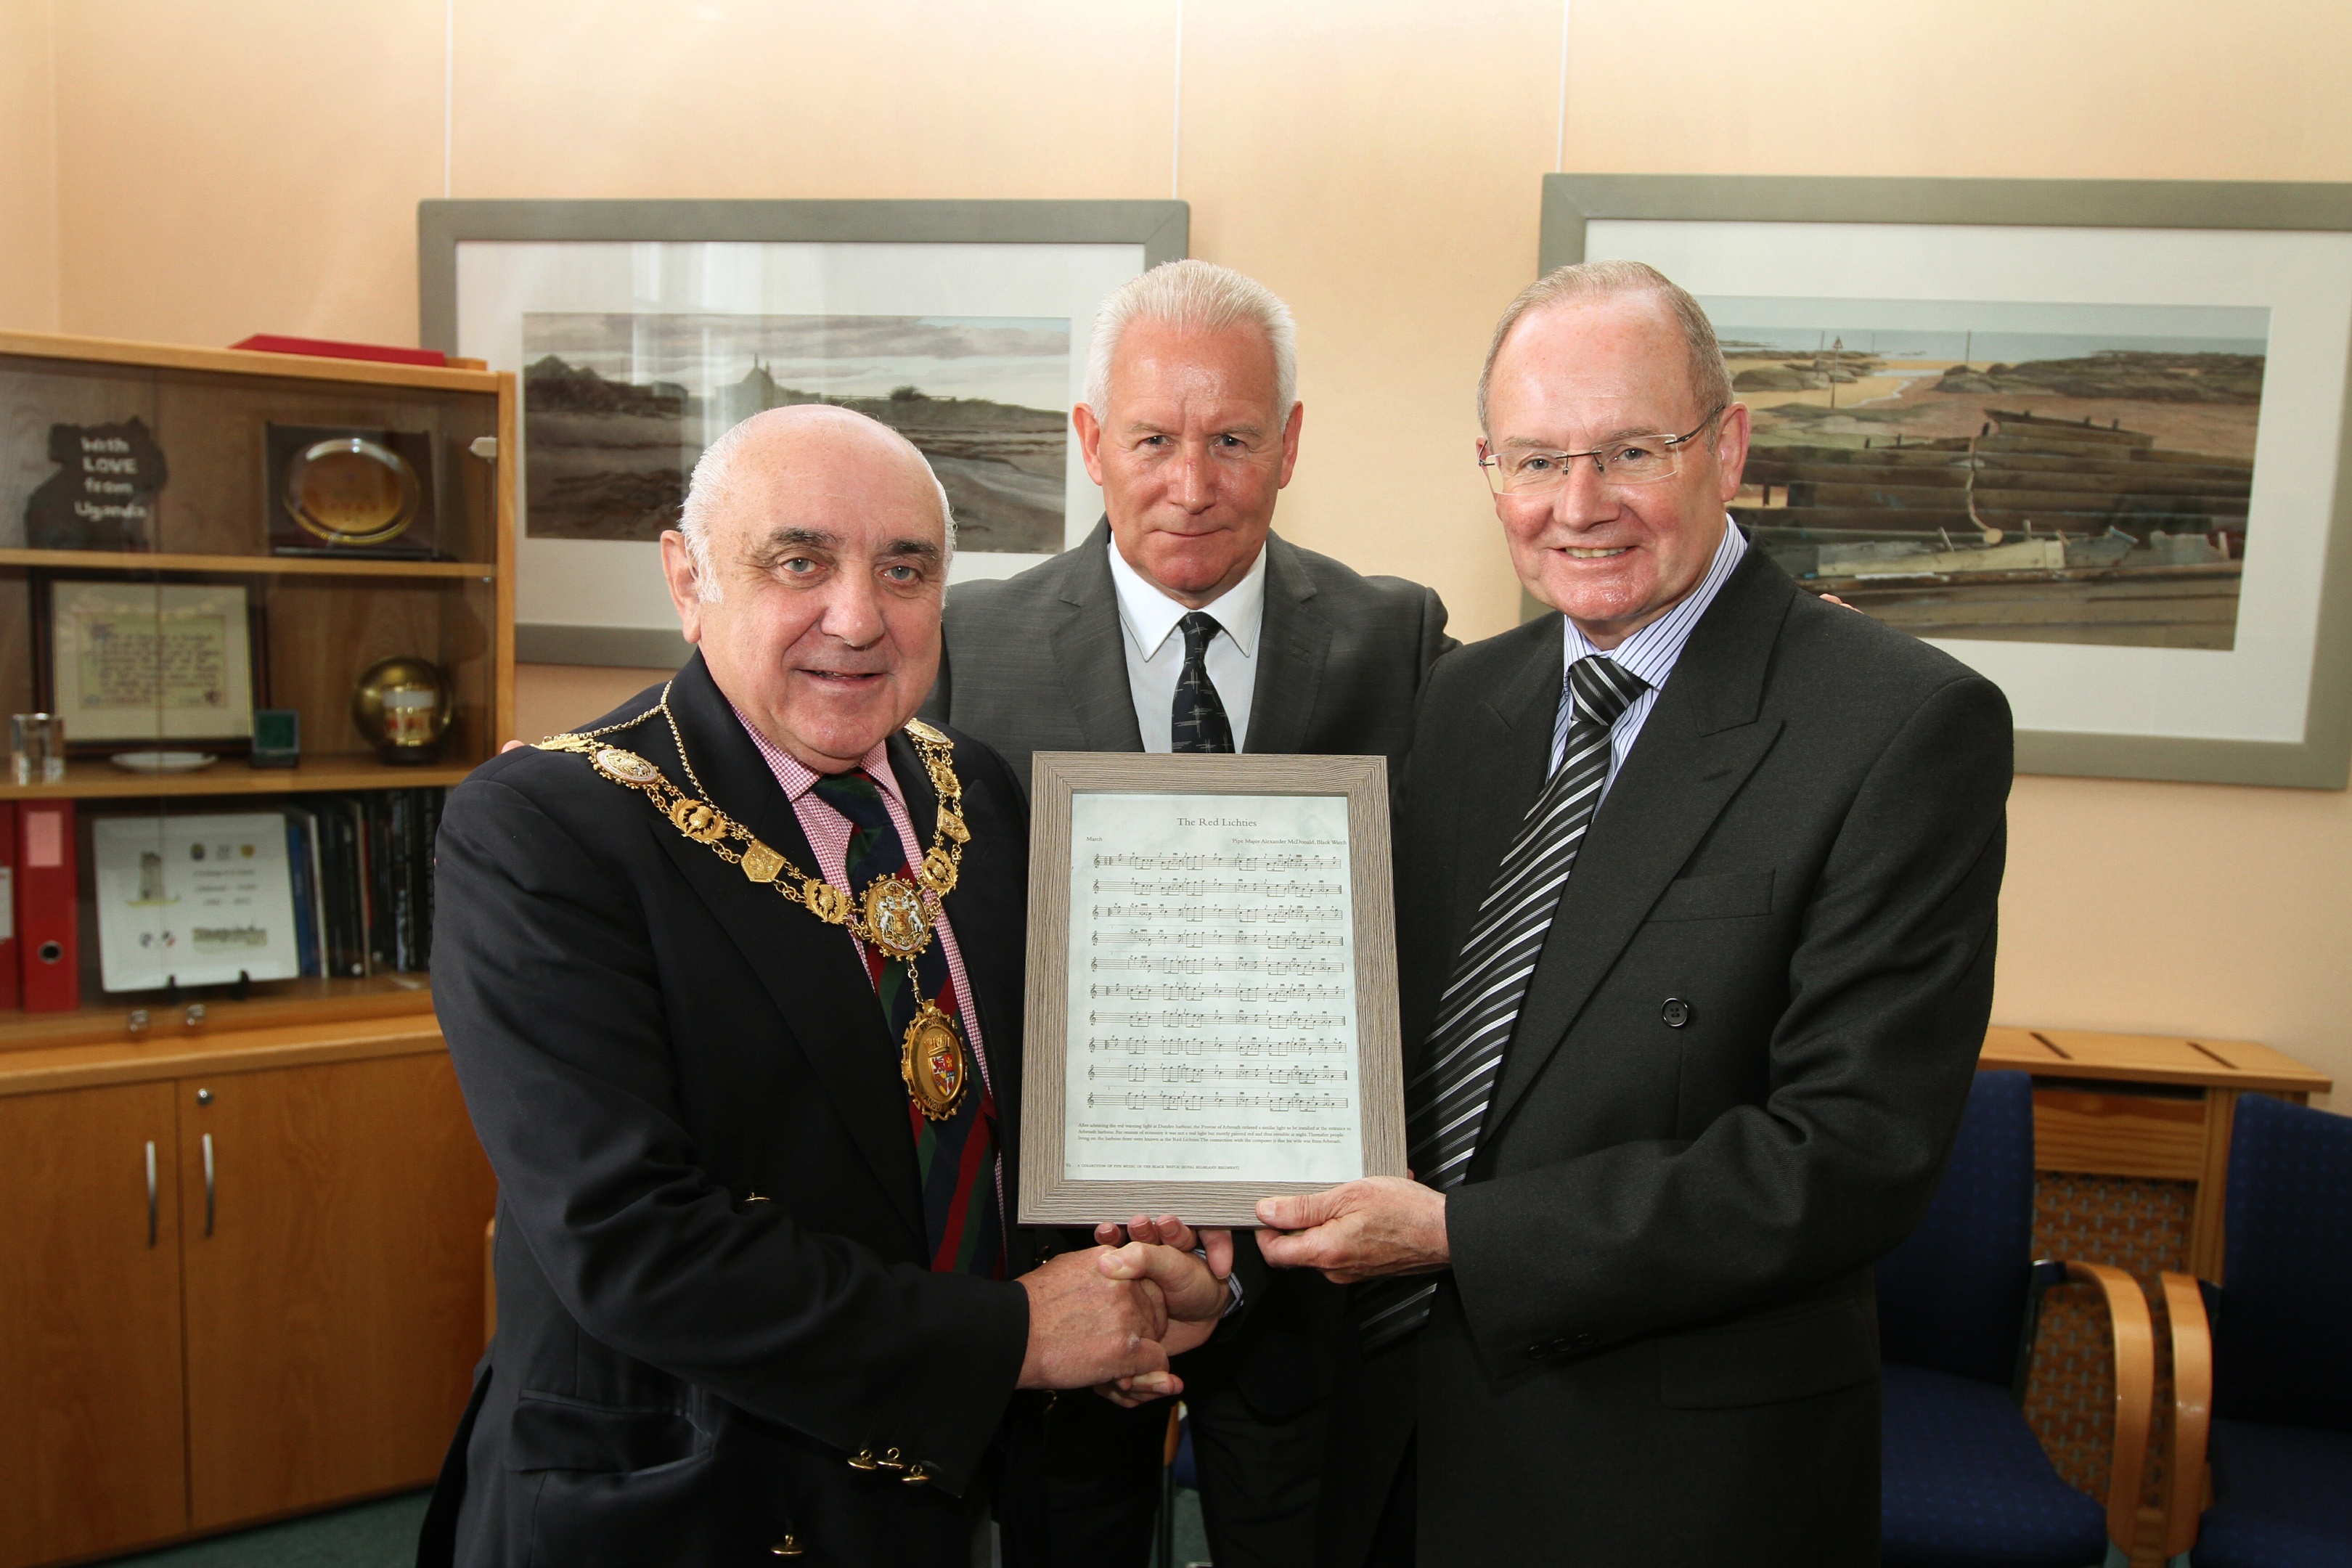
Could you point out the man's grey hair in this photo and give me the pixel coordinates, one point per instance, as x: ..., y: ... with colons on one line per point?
x: 715, y: 482
x: 1194, y: 297
x: 1711, y: 378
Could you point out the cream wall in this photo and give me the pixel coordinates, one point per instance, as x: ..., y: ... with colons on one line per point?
x: 197, y: 172
x: 28, y: 162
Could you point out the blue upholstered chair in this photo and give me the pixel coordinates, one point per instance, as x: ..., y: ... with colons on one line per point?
x: 1965, y: 1482
x: 2261, y: 1366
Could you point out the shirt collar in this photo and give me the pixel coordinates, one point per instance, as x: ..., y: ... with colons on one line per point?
x: 1651, y: 652
x: 796, y: 777
x: 1149, y: 614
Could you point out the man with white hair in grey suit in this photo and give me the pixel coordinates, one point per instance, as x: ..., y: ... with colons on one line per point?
x: 1183, y: 623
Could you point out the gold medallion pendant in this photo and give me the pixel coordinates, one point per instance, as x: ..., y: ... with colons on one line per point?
x: 894, y: 914
x: 625, y: 767
x: 933, y: 1063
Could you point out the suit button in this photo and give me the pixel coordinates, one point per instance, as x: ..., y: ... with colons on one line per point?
x: 1579, y: 1341
x: 918, y: 1474
x: 1675, y: 1013
x: 790, y: 1546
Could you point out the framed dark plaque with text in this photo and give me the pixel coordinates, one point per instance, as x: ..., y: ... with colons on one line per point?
x: 1211, y: 985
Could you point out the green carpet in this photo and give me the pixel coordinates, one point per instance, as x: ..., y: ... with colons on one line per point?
x: 1192, y: 1536
x: 379, y: 1534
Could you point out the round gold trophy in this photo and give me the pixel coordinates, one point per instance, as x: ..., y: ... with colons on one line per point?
x: 352, y: 490
x: 404, y: 707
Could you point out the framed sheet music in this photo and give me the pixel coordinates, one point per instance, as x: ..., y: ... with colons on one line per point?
x: 1211, y: 984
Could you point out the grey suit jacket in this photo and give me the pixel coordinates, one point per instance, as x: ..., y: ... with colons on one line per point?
x: 1038, y: 663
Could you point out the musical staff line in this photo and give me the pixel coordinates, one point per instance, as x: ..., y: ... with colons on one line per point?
x: 1243, y: 1100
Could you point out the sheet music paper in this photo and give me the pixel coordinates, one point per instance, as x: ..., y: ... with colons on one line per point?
x: 1213, y: 990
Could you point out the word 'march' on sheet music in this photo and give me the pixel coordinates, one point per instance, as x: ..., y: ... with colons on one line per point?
x: 1213, y: 992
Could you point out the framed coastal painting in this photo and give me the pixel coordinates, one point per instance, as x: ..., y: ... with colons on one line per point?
x: 2089, y: 436
x: 641, y: 329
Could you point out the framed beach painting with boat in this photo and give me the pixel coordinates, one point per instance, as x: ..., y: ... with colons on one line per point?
x: 2089, y: 436
x: 641, y: 329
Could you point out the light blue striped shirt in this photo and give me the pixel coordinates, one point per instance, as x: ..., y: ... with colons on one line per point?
x: 1649, y: 653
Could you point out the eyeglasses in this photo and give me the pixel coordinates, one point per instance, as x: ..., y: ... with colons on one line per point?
x: 1632, y: 461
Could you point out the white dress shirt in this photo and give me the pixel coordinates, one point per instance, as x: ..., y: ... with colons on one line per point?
x: 1649, y: 653
x: 1155, y: 650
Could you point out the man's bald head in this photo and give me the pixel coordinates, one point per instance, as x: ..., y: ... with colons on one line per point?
x: 797, y: 442
x: 810, y: 571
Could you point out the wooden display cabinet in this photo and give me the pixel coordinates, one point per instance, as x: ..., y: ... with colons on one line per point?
x: 286, y: 1316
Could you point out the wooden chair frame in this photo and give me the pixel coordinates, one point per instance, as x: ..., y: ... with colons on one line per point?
x: 2192, y: 1413
x: 2132, y: 1332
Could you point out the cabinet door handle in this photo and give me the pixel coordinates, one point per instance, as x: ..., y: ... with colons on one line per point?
x: 208, y: 1184
x: 151, y: 1192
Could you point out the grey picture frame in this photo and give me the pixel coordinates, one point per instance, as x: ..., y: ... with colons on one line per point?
x: 1048, y: 1196
x: 2323, y: 758
x: 1163, y: 229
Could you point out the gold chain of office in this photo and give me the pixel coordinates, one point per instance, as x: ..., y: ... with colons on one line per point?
x: 894, y: 916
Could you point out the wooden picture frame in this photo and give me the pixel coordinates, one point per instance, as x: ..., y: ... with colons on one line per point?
x: 60, y: 605
x: 1265, y: 1070
x: 2270, y: 705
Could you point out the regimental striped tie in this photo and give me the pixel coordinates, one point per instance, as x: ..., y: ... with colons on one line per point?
x: 955, y: 1160
x: 1446, y: 1101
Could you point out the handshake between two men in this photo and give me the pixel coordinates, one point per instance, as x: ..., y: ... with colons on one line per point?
x: 1111, y: 1318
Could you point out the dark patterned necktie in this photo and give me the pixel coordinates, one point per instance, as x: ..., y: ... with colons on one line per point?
x: 1200, y: 721
x: 1445, y: 1103
x: 956, y: 1158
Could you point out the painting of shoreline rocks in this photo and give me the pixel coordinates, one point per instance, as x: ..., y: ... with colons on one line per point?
x: 2033, y: 473
x: 618, y: 407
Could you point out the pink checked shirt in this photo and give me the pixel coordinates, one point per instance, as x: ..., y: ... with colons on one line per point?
x: 828, y: 835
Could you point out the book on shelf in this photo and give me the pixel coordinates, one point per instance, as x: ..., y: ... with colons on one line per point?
x: 11, y: 982
x: 302, y: 858
x: 376, y: 879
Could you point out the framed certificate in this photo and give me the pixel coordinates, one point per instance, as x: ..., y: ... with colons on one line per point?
x: 193, y: 901
x: 1211, y: 985
x: 127, y: 662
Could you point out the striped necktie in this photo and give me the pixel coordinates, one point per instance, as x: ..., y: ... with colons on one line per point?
x: 955, y: 1160
x: 1445, y: 1104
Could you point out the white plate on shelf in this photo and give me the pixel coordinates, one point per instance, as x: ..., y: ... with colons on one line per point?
x: 162, y: 762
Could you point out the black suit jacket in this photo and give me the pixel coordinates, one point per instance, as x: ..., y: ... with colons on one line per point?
x: 711, y: 1256
x: 1657, y: 1343
x: 1038, y: 663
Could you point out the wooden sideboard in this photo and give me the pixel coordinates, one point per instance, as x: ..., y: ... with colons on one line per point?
x: 242, y: 1277
x: 2147, y: 1106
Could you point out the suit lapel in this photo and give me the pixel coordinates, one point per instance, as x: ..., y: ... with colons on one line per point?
x: 1090, y: 651
x: 809, y: 969
x: 1697, y: 747
x: 1294, y: 639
